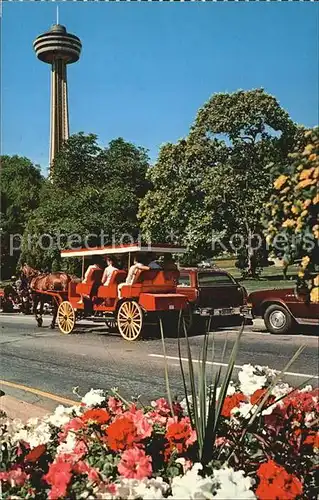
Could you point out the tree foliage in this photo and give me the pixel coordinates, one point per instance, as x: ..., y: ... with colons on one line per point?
x: 93, y: 189
x: 293, y: 209
x: 21, y: 182
x: 215, y: 182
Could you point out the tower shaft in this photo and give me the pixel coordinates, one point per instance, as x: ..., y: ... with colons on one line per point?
x: 59, y: 115
x: 58, y: 48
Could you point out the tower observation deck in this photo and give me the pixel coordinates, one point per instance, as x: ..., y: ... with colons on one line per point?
x: 58, y: 48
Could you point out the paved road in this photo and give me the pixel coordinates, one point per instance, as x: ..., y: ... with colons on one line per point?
x: 92, y: 357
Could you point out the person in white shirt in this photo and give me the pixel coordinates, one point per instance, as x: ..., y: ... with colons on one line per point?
x: 109, y: 270
x: 96, y: 265
x: 132, y: 272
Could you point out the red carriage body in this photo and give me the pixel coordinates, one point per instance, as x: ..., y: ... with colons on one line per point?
x: 151, y: 293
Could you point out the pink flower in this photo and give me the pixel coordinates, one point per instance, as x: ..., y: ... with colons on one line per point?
x: 161, y: 405
x: 16, y: 477
x: 161, y: 411
x: 135, y: 464
x: 115, y: 405
x: 108, y: 488
x: 59, y: 477
x: 74, y: 425
x: 84, y: 468
x: 80, y: 449
x: 143, y: 426
x: 111, y: 488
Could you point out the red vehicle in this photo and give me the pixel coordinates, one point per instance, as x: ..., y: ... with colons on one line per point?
x: 152, y: 293
x: 283, y: 309
x: 213, y: 293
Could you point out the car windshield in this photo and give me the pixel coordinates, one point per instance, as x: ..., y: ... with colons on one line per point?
x: 215, y: 279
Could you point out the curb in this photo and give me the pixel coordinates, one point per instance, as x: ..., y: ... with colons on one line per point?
x: 17, y: 409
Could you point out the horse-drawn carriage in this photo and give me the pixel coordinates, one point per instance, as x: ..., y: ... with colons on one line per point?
x: 151, y: 294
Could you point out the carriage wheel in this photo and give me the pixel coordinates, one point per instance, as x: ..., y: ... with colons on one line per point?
x: 130, y: 320
x: 66, y: 317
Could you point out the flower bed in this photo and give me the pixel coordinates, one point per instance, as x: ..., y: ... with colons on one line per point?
x: 106, y: 448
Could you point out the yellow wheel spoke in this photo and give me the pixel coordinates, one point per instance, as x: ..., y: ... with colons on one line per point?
x: 130, y: 320
x: 66, y: 317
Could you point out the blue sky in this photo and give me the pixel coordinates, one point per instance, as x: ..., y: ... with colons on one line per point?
x: 146, y: 68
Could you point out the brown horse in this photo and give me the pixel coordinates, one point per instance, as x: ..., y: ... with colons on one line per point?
x: 44, y: 282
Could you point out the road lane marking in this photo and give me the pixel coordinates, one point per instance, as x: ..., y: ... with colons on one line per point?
x: 217, y: 363
x: 38, y: 392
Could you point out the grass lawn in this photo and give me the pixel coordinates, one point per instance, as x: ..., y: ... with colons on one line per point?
x: 271, y: 277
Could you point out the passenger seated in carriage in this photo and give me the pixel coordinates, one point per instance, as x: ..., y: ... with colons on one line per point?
x: 109, y: 270
x: 168, y: 263
x: 138, y: 265
x: 95, y: 266
x: 152, y: 262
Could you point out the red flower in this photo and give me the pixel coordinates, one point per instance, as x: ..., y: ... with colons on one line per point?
x: 36, y: 453
x: 98, y: 416
x: 276, y: 483
x: 312, y: 439
x: 302, y: 401
x: 59, y: 477
x: 258, y: 395
x: 232, y: 402
x: 121, y: 434
x: 179, y: 435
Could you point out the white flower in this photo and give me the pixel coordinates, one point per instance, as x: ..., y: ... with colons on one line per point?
x: 152, y: 489
x: 231, y: 389
x: 233, y: 485
x: 243, y: 410
x: 269, y: 410
x: 192, y: 486
x: 250, y: 381
x: 39, y: 434
x: 280, y: 390
x: 307, y: 388
x: 269, y: 372
x: 61, y: 416
x: 93, y: 397
x: 148, y: 489
x: 310, y: 417
x: 68, y: 445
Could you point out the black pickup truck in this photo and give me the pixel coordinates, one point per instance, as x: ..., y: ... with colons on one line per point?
x: 214, y: 293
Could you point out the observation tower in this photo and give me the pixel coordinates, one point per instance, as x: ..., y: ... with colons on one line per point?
x: 58, y: 48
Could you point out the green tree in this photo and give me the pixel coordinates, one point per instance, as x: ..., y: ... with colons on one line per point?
x: 21, y: 183
x: 256, y: 132
x: 93, y: 190
x: 173, y: 210
x: 215, y: 182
